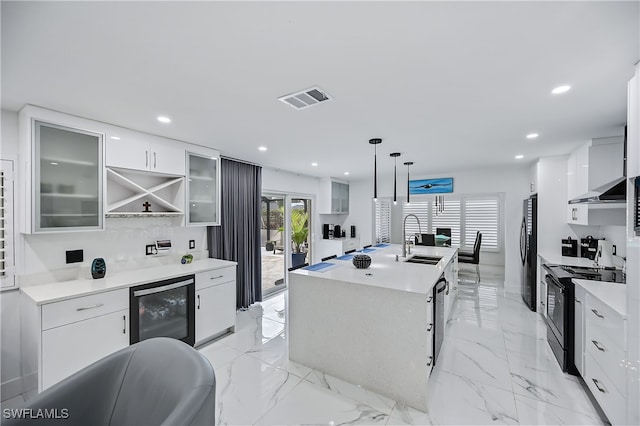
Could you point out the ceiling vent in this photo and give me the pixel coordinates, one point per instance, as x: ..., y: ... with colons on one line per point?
x: 305, y: 98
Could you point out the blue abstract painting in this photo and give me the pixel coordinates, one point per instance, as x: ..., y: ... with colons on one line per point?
x: 431, y: 186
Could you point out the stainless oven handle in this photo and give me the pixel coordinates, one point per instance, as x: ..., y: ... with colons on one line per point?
x: 148, y: 291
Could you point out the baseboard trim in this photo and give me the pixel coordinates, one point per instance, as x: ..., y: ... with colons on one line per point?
x: 11, y: 388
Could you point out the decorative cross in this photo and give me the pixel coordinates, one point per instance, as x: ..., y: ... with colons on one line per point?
x: 146, y: 206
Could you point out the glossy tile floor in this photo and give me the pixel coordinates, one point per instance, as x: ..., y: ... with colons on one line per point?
x: 495, y: 367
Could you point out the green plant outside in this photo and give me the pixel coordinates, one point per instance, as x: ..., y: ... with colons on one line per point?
x: 299, y: 228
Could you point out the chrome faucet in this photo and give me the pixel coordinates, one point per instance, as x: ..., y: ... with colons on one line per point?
x: 404, y: 239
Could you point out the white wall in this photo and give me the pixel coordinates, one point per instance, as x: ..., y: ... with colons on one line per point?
x: 10, y: 300
x: 512, y: 181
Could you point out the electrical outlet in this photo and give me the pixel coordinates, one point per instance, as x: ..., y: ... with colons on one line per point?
x: 151, y: 249
x: 75, y: 256
x: 192, y: 244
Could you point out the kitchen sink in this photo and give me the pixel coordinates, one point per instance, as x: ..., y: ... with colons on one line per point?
x: 424, y: 260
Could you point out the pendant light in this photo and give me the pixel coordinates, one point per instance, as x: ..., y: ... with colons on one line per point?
x: 395, y: 156
x: 375, y: 143
x: 408, y: 163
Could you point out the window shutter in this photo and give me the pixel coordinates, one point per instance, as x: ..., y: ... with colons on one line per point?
x: 449, y: 218
x: 482, y: 215
x: 383, y: 221
x: 6, y: 225
x: 420, y: 209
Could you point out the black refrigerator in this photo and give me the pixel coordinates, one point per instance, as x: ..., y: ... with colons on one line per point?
x: 529, y: 250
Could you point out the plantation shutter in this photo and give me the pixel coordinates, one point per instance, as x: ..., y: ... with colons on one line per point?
x: 420, y: 209
x: 449, y: 218
x: 6, y: 225
x: 383, y: 221
x: 482, y: 215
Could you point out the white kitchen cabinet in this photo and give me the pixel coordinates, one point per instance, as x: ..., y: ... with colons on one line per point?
x: 336, y: 246
x: 334, y: 197
x: 215, y: 303
x: 579, y: 329
x: 70, y: 348
x: 203, y: 189
x: 62, y: 173
x: 606, y: 156
x: 452, y: 291
x: 605, y: 366
x: 61, y: 338
x: 431, y: 330
x: 633, y: 125
x: 577, y: 184
x: 140, y: 151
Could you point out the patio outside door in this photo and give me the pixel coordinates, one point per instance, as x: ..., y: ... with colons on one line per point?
x: 272, y: 237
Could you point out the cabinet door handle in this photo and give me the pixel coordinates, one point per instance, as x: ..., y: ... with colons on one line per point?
x: 146, y: 158
x: 215, y: 278
x: 430, y: 361
x: 90, y: 307
x: 198, y: 301
x: 124, y: 324
x: 598, y: 345
x: 154, y: 160
x: 597, y: 313
x: 597, y: 383
x: 429, y: 299
x: 429, y: 327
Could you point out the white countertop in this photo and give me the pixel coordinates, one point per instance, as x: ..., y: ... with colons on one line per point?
x: 613, y: 295
x: 385, y: 272
x: 567, y: 260
x: 58, y: 291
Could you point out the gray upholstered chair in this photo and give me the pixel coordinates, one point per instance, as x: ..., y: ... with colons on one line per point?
x: 159, y: 381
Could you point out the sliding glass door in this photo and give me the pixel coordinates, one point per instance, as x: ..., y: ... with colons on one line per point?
x: 285, y: 237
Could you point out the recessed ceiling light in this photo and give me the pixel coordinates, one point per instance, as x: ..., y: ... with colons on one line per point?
x: 54, y: 163
x: 532, y: 135
x: 561, y: 89
x: 262, y: 148
x: 314, y: 164
x: 115, y: 138
x: 519, y: 156
x: 163, y: 119
x: 346, y: 173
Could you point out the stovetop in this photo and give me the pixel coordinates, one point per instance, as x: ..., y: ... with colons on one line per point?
x: 583, y: 273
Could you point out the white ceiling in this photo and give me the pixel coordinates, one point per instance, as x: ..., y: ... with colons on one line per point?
x: 450, y: 85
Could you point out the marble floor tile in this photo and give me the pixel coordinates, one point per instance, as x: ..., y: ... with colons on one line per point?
x: 536, y: 412
x: 479, y: 361
x: 254, y: 334
x: 274, y: 308
x: 357, y: 393
x: 218, y: 354
x: 311, y: 404
x: 461, y: 401
x: 246, y: 388
x: 403, y: 415
x: 275, y: 352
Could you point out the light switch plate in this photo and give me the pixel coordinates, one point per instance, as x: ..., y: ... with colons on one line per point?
x: 192, y: 244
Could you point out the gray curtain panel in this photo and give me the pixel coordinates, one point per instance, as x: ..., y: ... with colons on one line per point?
x: 238, y: 236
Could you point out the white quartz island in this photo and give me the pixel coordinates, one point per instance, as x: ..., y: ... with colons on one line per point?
x: 371, y: 327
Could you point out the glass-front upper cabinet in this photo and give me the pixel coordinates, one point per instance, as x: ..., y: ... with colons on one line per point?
x: 68, y: 178
x: 203, y: 190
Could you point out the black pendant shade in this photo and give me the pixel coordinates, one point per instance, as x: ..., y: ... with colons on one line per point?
x: 408, y: 163
x: 395, y: 156
x: 375, y: 143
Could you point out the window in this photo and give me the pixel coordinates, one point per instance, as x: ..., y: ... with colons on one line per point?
x: 482, y: 215
x: 7, y: 279
x: 421, y: 210
x: 383, y: 220
x: 449, y: 218
x: 465, y: 215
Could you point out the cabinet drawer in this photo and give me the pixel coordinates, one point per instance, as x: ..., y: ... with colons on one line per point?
x: 350, y: 244
x: 215, y: 277
x: 600, y: 385
x: 602, y: 320
x: 81, y: 308
x: 609, y: 357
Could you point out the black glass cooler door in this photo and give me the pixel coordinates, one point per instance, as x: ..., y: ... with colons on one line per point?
x: 164, y: 309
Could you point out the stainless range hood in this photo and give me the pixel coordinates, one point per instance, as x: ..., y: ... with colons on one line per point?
x: 612, y: 192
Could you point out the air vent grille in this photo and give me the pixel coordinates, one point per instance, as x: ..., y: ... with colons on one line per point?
x: 305, y: 98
